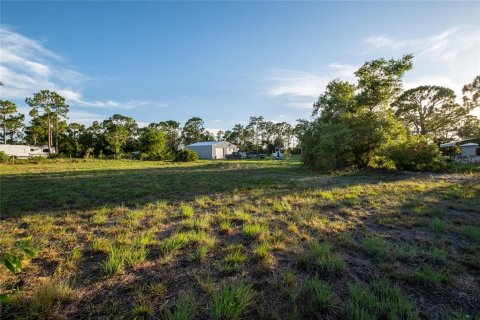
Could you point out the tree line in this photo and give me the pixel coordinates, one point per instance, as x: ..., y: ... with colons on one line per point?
x: 120, y: 136
x: 374, y: 122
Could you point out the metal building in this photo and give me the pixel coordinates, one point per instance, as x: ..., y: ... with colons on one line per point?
x: 212, y: 149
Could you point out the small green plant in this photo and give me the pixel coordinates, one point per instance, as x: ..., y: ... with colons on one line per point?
x: 262, y: 251
x: 143, y: 310
x: 428, y: 275
x: 235, y: 257
x: 180, y: 240
x: 184, y: 310
x: 186, y: 211
x: 13, y: 260
x: 186, y: 155
x: 230, y: 301
x: 225, y: 226
x: 471, y: 231
x: 101, y: 245
x: 377, y: 247
x: 48, y: 297
x: 200, y: 253
x: 254, y: 229
x: 3, y: 157
x: 319, y: 295
x: 122, y: 256
x: 380, y: 300
x: 320, y: 256
x: 439, y: 225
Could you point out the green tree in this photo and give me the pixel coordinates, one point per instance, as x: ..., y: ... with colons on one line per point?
x: 71, y: 142
x: 337, y: 100
x: 15, y: 124
x: 257, y: 126
x: 194, y: 131
x: 36, y: 133
x: 53, y: 106
x: 470, y: 127
x: 7, y: 109
x: 153, y: 143
x: 173, y: 134
x: 471, y: 94
x: 116, y: 137
x: 429, y: 110
x: 357, y: 119
x: 380, y: 82
x: 120, y: 133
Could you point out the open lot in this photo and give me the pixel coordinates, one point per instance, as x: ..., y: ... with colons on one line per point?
x: 241, y: 239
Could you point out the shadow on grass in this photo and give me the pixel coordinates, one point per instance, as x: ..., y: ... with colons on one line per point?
x: 85, y: 190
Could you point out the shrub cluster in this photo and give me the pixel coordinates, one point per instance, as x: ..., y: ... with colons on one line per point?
x: 186, y: 156
x: 415, y: 153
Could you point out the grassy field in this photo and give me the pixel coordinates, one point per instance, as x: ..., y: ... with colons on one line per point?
x: 238, y: 240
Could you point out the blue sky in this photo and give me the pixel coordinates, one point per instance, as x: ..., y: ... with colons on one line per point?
x: 223, y: 61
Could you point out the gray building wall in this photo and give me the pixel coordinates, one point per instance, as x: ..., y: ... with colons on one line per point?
x: 209, y: 151
x: 203, y: 152
x: 469, y: 150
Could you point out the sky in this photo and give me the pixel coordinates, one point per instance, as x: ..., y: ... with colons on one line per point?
x: 223, y: 61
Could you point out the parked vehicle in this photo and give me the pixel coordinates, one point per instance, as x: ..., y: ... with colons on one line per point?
x: 26, y: 151
x: 278, y: 154
x: 236, y: 155
x: 255, y: 155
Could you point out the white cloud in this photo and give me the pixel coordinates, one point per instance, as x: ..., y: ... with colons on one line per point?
x: 26, y: 66
x: 444, y: 46
x: 295, y: 83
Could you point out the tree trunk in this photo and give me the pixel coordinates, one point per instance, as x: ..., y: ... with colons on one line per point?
x: 49, y: 133
x: 4, y: 131
x: 56, y: 133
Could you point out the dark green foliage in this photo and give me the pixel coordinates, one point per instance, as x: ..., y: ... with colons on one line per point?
x: 3, y: 157
x: 186, y: 156
x: 354, y: 121
x: 153, y: 143
x: 415, y: 153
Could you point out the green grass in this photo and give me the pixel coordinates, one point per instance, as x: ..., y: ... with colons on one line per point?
x: 184, y: 310
x: 48, y: 297
x: 320, y: 256
x: 158, y: 240
x: 471, y: 232
x: 231, y: 301
x: 186, y: 211
x: 254, y: 230
x: 182, y: 239
x: 380, y: 300
x: 377, y: 247
x: 428, y: 275
x: 439, y: 225
x: 235, y: 257
x: 320, y: 295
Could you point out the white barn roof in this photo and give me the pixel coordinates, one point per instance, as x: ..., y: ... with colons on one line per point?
x: 204, y: 143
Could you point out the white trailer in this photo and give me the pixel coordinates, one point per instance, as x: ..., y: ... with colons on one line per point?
x: 25, y: 151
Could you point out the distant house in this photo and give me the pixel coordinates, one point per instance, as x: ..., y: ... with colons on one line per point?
x: 212, y: 149
x: 20, y: 151
x: 469, y: 150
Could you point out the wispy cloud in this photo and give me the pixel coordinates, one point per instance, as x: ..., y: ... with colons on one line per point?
x: 27, y: 66
x: 446, y: 45
x: 295, y: 83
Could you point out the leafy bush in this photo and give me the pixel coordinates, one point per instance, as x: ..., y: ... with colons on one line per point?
x: 186, y: 156
x: 56, y: 156
x: 415, y: 153
x: 3, y: 157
